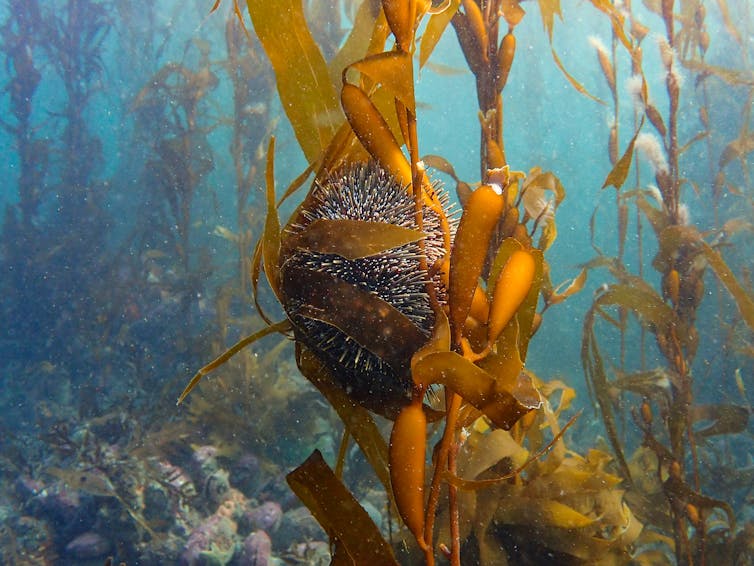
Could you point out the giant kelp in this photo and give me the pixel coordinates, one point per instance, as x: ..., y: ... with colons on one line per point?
x: 490, y: 276
x: 677, y: 432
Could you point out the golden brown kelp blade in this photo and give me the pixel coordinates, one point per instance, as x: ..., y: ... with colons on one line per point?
x: 619, y: 173
x: 271, y: 237
x: 480, y: 388
x: 303, y: 81
x: 571, y: 79
x: 434, y: 30
x: 345, y: 521
x: 354, y: 239
x: 373, y: 132
x: 394, y: 71
x: 366, y: 36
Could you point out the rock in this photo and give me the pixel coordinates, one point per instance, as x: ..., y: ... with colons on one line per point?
x: 245, y: 474
x: 72, y: 512
x: 297, y: 525
x: 257, y: 550
x: 26, y: 537
x: 266, y: 517
x: 88, y: 545
x: 313, y: 553
x: 157, y: 505
x: 212, y: 543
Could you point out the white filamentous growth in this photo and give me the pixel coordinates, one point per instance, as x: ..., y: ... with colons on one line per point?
x: 650, y: 146
x: 675, y: 71
x: 634, y: 85
x: 684, y: 215
x: 667, y: 54
x: 656, y: 194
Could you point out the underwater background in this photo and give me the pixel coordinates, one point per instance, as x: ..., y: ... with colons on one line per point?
x: 134, y: 144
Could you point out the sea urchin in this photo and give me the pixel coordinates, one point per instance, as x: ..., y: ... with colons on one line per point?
x: 384, y: 311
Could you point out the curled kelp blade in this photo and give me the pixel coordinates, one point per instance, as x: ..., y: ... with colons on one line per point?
x: 463, y: 190
x: 365, y: 37
x: 478, y: 387
x: 394, y: 71
x: 435, y: 28
x: 358, y: 540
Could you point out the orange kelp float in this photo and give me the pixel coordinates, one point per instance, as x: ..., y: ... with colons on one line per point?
x: 408, y: 445
x: 480, y: 216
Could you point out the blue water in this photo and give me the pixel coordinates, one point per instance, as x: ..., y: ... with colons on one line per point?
x: 125, y: 249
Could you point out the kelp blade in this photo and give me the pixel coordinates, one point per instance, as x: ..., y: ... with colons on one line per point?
x: 340, y: 515
x: 478, y: 387
x: 353, y: 239
x: 306, y: 92
x: 361, y: 315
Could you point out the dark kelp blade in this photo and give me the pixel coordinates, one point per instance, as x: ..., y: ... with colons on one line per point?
x: 339, y: 514
x: 673, y: 237
x: 724, y: 418
x: 363, y: 316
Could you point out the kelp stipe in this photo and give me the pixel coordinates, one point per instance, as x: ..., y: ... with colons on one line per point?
x: 672, y: 482
x: 543, y: 500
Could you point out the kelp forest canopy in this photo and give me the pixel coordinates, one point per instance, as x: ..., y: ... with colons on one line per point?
x: 458, y: 281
